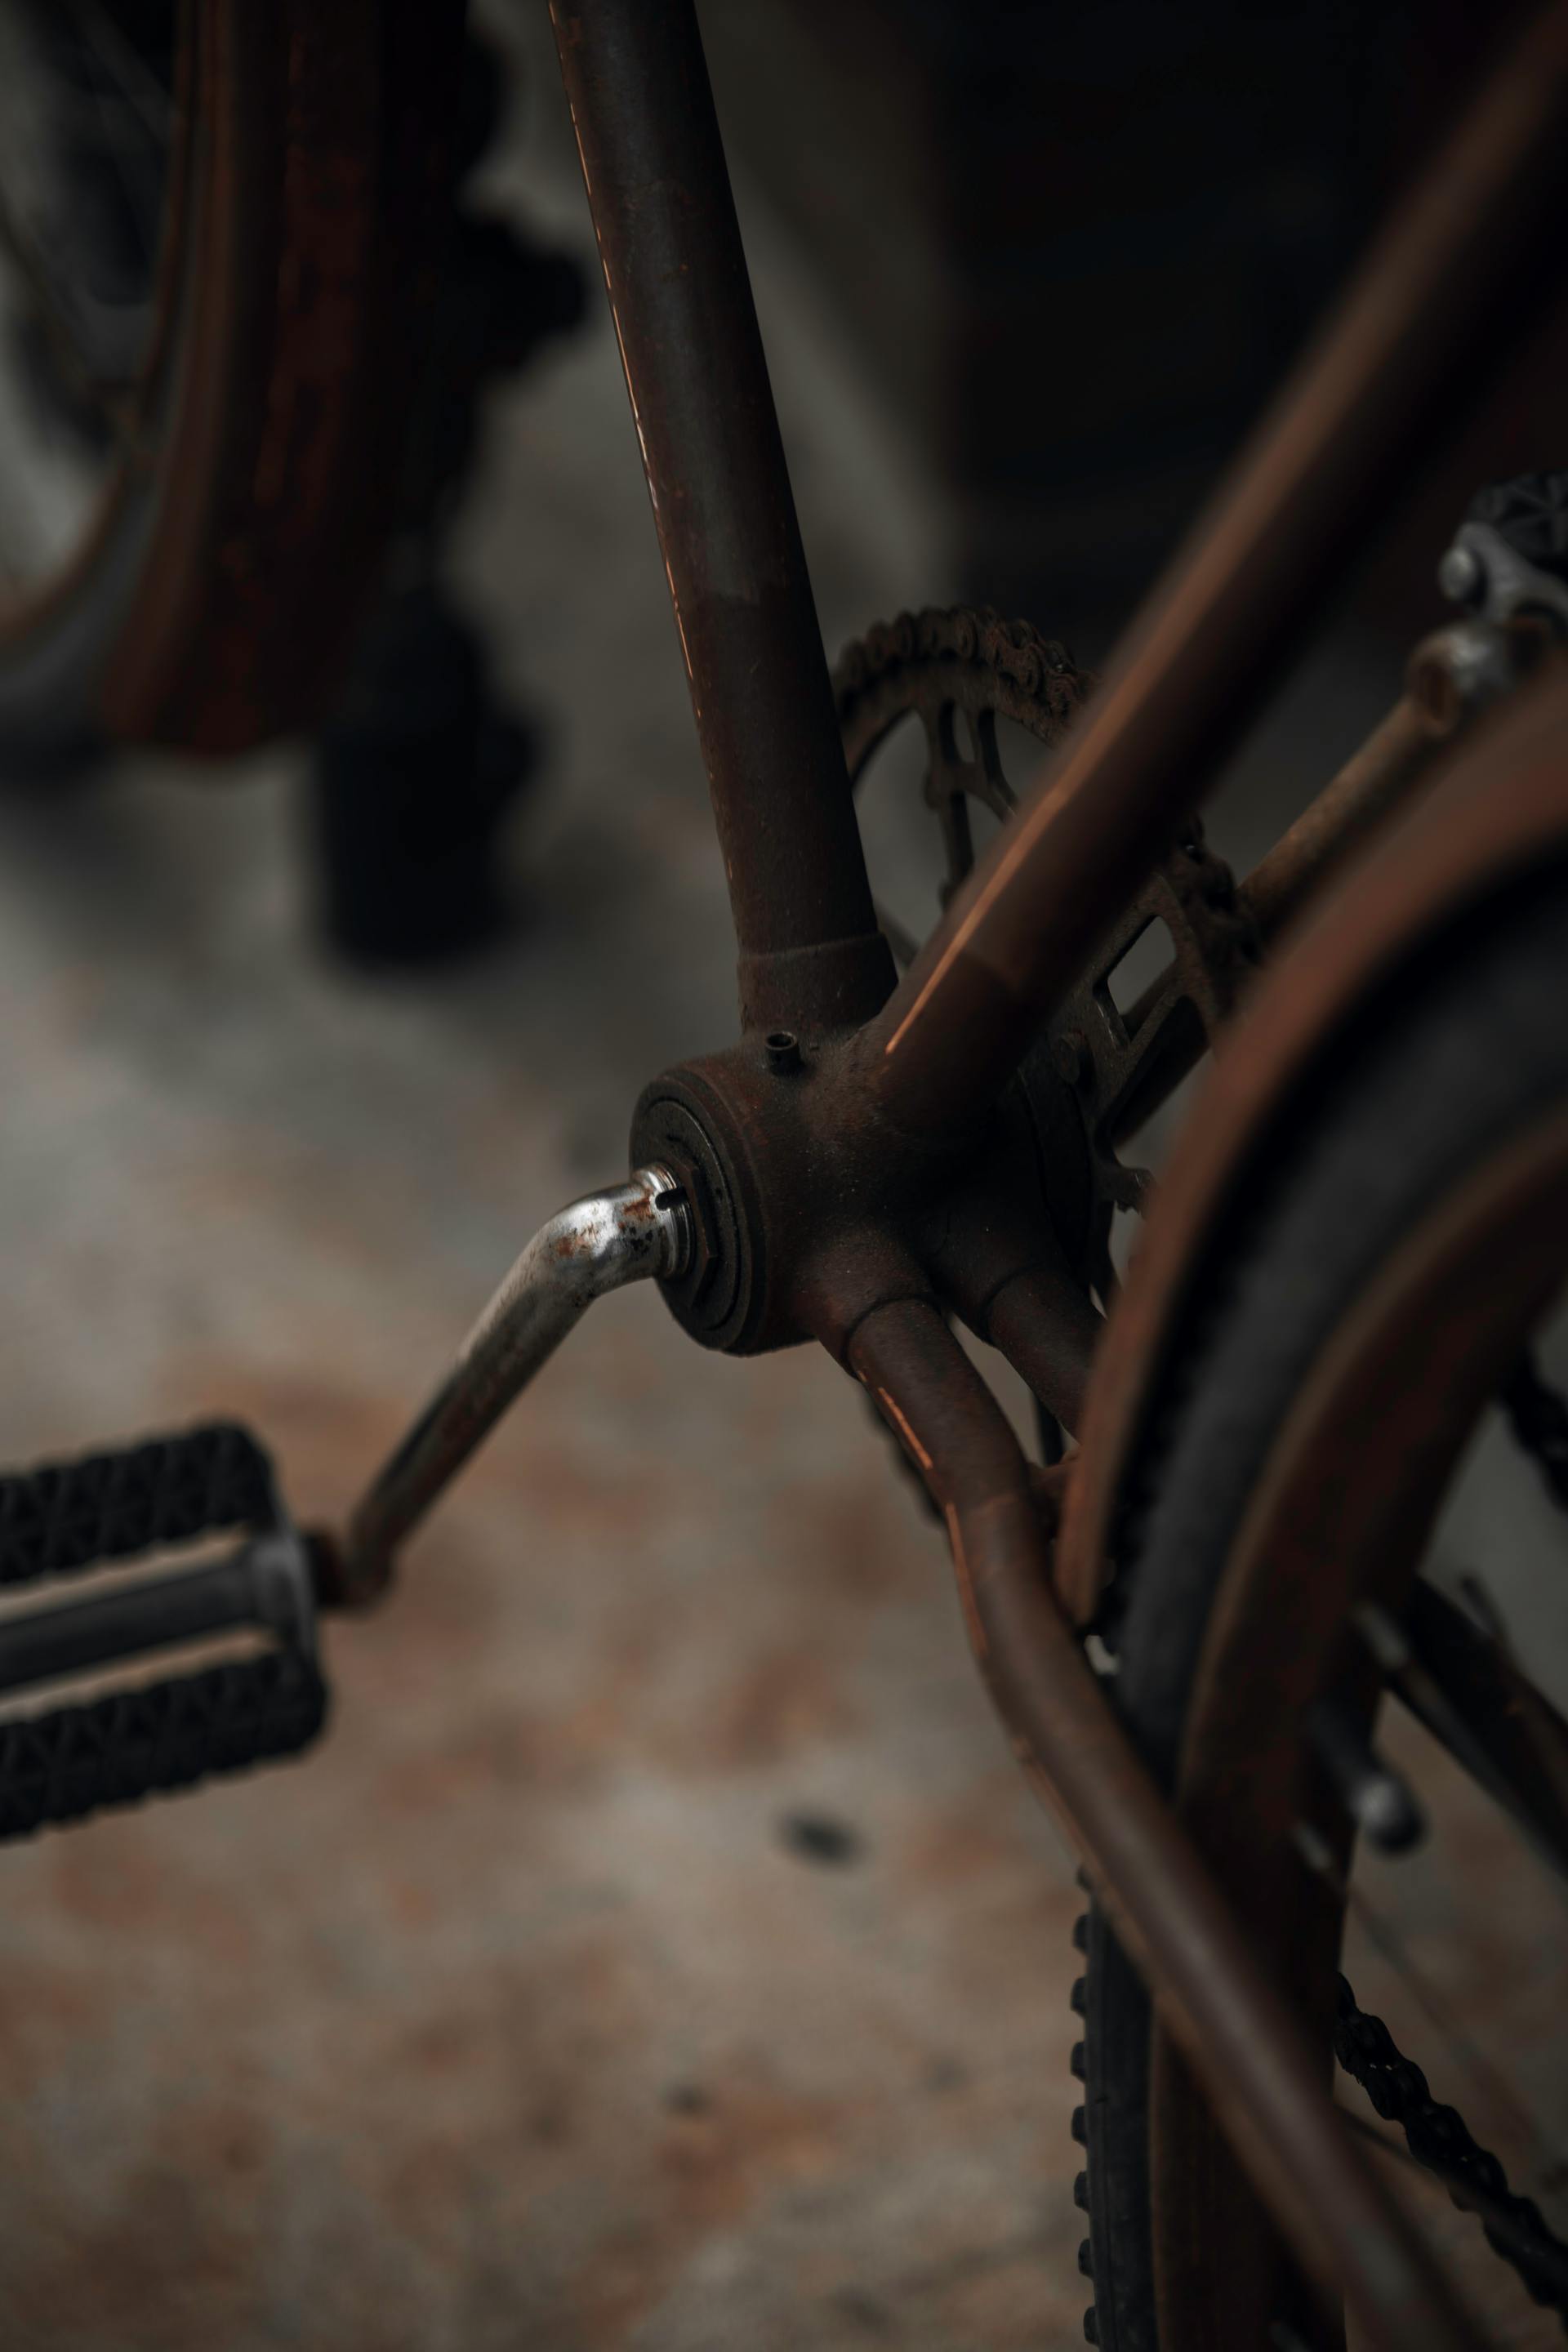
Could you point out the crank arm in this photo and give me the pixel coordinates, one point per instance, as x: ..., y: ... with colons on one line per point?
x: 111, y: 1509
x: 601, y: 1243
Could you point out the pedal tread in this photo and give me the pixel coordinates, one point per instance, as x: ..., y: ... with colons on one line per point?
x: 135, y: 1743
x: 64, y: 1516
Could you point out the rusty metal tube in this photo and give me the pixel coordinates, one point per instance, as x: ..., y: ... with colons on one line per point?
x: 1394, y: 755
x: 1241, y: 2040
x: 598, y: 1245
x: 997, y: 1263
x: 811, y: 954
x: 1303, y: 495
x: 1041, y: 1321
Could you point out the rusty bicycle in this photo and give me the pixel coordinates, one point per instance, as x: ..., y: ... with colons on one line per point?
x: 1190, y: 1607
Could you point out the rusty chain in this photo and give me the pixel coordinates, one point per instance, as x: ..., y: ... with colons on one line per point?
x: 1439, y: 2139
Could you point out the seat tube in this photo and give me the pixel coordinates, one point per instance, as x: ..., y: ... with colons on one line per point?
x: 810, y: 954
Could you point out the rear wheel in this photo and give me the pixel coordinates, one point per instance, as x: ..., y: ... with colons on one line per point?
x: 1406, y: 1235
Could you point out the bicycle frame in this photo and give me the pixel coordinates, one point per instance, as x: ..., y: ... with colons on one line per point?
x: 854, y: 1177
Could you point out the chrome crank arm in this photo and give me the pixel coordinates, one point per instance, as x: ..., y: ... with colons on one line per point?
x: 601, y: 1243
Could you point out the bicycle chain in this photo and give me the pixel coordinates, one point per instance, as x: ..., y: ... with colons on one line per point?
x: 1439, y: 2137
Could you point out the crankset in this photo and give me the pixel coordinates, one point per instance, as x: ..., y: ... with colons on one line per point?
x: 1111, y: 1054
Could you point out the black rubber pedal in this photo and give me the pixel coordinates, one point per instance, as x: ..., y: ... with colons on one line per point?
x: 67, y: 1516
x: 76, y: 1761
x: 148, y: 1737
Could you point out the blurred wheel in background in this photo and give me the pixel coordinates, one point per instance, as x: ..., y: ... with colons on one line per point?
x: 219, y: 227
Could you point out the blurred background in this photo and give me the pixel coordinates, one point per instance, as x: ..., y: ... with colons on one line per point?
x: 661, y: 1951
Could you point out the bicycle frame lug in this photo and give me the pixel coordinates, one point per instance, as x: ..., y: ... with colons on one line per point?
x: 804, y: 1209
x: 807, y: 1213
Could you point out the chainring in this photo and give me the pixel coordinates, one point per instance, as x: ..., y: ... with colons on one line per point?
x: 1100, y: 1064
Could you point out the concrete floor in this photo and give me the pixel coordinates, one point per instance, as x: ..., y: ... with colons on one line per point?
x: 518, y: 2016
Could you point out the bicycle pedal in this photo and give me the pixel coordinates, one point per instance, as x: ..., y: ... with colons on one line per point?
x: 65, y: 1521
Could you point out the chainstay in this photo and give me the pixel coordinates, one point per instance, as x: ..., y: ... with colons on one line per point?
x: 1439, y: 2139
